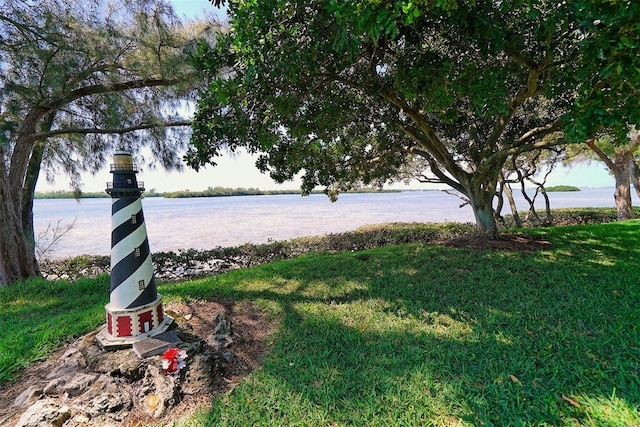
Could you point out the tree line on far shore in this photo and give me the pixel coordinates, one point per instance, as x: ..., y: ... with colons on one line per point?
x: 209, y: 192
x: 239, y: 191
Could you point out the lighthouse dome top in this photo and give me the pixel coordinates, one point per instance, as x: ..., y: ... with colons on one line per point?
x: 124, y: 172
x: 122, y: 160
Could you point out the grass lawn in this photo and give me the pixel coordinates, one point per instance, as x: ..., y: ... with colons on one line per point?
x: 410, y: 334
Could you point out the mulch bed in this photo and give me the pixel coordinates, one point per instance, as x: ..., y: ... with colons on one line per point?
x: 507, y: 242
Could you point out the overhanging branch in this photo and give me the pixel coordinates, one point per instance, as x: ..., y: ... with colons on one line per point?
x: 541, y: 131
x: 110, y: 88
x: 115, y: 131
x: 591, y: 143
x: 433, y: 144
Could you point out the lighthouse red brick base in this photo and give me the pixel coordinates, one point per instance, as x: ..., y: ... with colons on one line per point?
x: 127, y: 326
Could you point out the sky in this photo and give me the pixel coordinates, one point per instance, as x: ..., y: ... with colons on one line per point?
x: 240, y: 170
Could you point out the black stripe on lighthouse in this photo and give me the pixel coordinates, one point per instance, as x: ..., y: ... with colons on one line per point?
x: 126, y: 228
x: 121, y: 203
x: 149, y: 294
x: 128, y: 265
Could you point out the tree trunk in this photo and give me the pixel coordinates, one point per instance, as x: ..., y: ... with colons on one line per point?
x: 17, y: 259
x: 620, y: 167
x: 486, y: 226
x: 622, y: 194
x: 29, y: 188
x: 500, y: 199
x: 481, y: 202
x: 28, y: 194
x: 17, y: 255
x: 547, y: 205
x: 531, y: 202
x: 512, y: 205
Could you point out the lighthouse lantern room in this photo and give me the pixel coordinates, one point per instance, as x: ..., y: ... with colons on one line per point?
x: 135, y: 309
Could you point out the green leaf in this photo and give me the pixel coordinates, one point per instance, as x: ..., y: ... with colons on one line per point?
x: 626, y: 41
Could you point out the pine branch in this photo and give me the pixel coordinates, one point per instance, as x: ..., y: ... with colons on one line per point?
x: 118, y: 131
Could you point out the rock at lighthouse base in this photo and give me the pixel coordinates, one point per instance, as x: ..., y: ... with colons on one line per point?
x: 87, y: 385
x: 124, y: 392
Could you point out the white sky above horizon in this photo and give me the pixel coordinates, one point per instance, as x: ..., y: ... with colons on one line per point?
x: 240, y: 171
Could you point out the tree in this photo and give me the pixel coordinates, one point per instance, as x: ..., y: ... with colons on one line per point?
x: 349, y: 92
x: 619, y: 157
x: 78, y: 79
x: 608, y: 101
x: 621, y: 164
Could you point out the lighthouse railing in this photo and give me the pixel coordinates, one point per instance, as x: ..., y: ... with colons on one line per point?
x: 132, y: 167
x: 140, y: 186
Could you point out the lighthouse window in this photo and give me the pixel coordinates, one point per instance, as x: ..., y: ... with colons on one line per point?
x: 134, y: 219
x: 137, y: 252
x: 141, y: 285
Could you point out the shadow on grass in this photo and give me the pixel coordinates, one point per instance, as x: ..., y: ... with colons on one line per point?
x: 409, y: 335
x: 415, y: 335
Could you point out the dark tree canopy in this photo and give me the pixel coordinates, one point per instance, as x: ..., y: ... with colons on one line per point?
x: 609, y: 75
x: 350, y: 92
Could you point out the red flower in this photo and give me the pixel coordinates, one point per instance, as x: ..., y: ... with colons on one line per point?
x: 173, y: 360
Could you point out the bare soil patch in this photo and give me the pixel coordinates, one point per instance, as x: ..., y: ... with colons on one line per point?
x: 507, y: 242
x: 250, y: 327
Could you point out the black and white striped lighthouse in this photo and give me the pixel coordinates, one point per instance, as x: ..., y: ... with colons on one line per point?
x: 135, y: 308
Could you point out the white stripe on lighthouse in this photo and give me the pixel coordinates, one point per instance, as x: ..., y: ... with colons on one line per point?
x: 125, y: 213
x: 123, y: 248
x: 127, y: 292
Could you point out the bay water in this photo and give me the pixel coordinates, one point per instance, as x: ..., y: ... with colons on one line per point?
x: 208, y: 222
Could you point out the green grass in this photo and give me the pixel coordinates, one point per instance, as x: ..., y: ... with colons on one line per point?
x: 37, y: 317
x: 415, y: 334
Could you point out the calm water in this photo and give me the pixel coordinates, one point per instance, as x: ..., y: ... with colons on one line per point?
x: 204, y: 223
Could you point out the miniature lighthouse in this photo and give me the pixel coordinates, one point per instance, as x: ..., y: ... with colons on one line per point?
x: 135, y: 308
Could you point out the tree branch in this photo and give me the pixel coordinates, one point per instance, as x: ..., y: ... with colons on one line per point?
x: 115, y: 87
x: 531, y: 89
x: 118, y: 131
x: 523, y: 144
x: 435, y: 146
x: 541, y: 131
x: 591, y: 143
x: 24, y: 29
x: 441, y: 177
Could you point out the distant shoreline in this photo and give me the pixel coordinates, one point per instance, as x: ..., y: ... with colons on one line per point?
x: 233, y: 192
x: 211, y: 192
x: 560, y: 188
